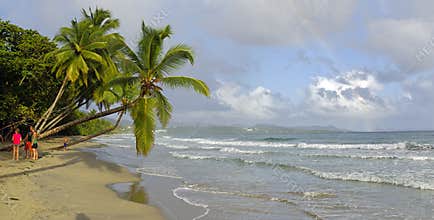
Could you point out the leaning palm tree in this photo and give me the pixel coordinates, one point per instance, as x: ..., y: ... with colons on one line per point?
x: 149, y: 70
x: 84, y: 56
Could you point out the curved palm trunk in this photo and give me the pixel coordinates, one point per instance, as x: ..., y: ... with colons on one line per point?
x: 94, y: 135
x: 65, y: 113
x: 41, y: 122
x: 82, y: 120
x: 12, y: 124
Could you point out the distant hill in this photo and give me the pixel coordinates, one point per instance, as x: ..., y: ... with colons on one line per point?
x: 329, y: 128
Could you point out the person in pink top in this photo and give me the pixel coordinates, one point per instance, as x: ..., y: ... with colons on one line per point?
x: 16, y: 140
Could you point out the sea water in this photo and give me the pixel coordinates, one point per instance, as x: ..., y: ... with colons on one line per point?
x: 272, y: 173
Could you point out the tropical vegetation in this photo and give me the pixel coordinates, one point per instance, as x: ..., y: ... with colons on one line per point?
x: 89, y: 66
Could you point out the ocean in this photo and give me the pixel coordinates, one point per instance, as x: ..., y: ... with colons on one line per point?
x: 274, y: 173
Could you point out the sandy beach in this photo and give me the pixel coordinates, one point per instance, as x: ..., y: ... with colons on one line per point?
x: 66, y: 185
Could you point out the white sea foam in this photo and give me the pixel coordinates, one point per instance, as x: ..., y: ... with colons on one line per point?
x: 393, y: 146
x: 238, y: 143
x: 371, y: 178
x: 176, y: 146
x: 121, y: 145
x: 188, y: 201
x: 191, y: 157
x: 372, y: 157
x: 146, y: 172
x: 210, y: 148
x: 235, y: 150
x: 234, y: 143
x: 345, y: 176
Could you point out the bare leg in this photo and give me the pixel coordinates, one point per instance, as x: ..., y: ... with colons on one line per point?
x: 15, y: 152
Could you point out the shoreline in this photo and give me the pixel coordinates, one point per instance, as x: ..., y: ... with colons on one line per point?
x: 153, y: 189
x: 67, y: 185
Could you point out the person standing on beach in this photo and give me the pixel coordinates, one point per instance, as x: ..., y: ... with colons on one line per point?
x: 35, y: 145
x: 28, y: 146
x: 16, y: 140
x: 65, y: 144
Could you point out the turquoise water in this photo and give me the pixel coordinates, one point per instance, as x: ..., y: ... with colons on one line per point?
x: 271, y: 173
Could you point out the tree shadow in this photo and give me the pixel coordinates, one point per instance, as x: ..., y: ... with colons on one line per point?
x: 67, y: 163
x: 89, y: 159
x: 81, y: 216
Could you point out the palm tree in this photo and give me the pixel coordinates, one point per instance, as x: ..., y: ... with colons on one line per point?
x: 148, y: 70
x: 85, y: 54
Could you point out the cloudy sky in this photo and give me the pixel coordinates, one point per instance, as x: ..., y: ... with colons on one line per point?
x: 361, y: 65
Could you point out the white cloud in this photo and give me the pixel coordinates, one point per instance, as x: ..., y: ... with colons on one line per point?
x: 408, y: 43
x: 277, y: 22
x: 350, y: 94
x: 259, y: 103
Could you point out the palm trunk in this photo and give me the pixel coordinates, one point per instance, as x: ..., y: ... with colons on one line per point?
x: 84, y: 119
x: 41, y: 122
x: 12, y: 124
x: 53, y: 122
x: 94, y: 135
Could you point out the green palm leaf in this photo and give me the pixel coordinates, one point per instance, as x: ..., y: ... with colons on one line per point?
x: 163, y: 108
x: 186, y: 82
x: 175, y: 58
x: 89, y: 55
x: 143, y: 116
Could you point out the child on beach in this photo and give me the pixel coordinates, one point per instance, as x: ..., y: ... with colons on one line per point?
x: 65, y: 144
x: 35, y: 145
x: 28, y: 146
x: 16, y: 140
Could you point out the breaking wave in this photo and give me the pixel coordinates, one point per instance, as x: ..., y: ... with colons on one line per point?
x: 344, y: 176
x: 373, y: 157
x: 235, y: 150
x: 280, y: 142
x: 234, y: 143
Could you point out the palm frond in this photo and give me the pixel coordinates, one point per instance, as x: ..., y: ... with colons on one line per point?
x: 123, y: 81
x: 133, y: 57
x: 96, y: 45
x: 175, y: 58
x: 151, y: 44
x: 143, y: 116
x: 92, y: 56
x: 163, y: 108
x: 186, y: 82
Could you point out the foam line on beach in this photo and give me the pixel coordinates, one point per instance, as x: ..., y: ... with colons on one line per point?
x: 196, y: 188
x: 175, y: 193
x: 142, y: 171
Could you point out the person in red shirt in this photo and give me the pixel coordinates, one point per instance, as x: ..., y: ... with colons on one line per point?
x: 16, y: 140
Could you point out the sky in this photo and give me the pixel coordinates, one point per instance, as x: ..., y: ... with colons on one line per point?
x: 360, y: 65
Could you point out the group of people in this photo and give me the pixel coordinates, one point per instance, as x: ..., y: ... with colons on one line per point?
x: 30, y: 144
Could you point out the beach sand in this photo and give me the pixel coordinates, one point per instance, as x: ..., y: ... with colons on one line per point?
x: 66, y: 185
